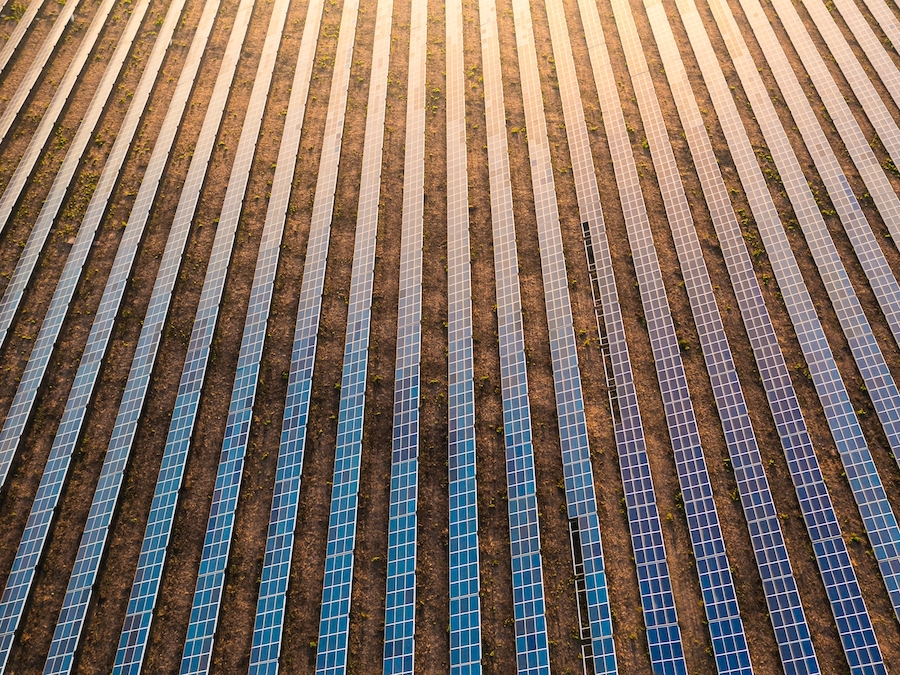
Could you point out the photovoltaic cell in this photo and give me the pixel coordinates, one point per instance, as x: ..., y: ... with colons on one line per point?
x: 729, y: 642
x: 655, y: 584
x: 532, y: 647
x: 465, y: 566
x: 581, y: 500
x: 275, y: 575
x: 139, y: 614
x: 220, y: 525
x: 878, y: 517
x: 70, y: 623
x: 400, y: 596
x: 337, y: 587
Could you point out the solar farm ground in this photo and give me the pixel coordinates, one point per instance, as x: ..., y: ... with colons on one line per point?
x: 97, y: 650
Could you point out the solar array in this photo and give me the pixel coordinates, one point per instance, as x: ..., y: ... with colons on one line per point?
x: 878, y: 517
x: 465, y: 561
x: 532, y: 644
x: 581, y: 501
x: 400, y: 596
x: 334, y: 622
x: 657, y: 597
x: 536, y: 621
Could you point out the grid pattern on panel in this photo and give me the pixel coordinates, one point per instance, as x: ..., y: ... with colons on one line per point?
x: 220, y: 525
x: 400, y: 596
x: 270, y: 612
x: 885, y: 125
x: 12, y: 294
x: 27, y: 262
x: 782, y: 595
x: 881, y: 523
x: 655, y: 585
x: 815, y: 502
x: 873, y: 367
x: 139, y: 614
x: 726, y: 628
x: 93, y: 540
x: 31, y: 547
x: 337, y: 587
x: 465, y: 564
x: 48, y: 47
x: 532, y: 649
x: 581, y: 501
x: 15, y: 37
x: 854, y: 624
x: 884, y: 17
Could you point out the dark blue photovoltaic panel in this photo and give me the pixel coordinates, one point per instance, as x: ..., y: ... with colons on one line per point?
x: 532, y: 647
x: 18, y: 585
x: 655, y: 584
x: 578, y: 474
x: 878, y: 517
x: 792, y: 632
x: 19, y: 180
x: 334, y: 623
x: 220, y: 526
x: 96, y: 532
x: 465, y: 568
x: 139, y: 615
x: 839, y: 578
x: 400, y: 596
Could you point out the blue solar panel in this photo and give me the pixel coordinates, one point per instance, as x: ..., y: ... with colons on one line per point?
x: 334, y: 624
x: 880, y: 521
x: 220, y: 526
x: 532, y: 649
x: 655, y: 585
x: 840, y: 581
x: 35, y: 70
x: 581, y: 502
x: 465, y: 569
x: 31, y: 547
x: 400, y: 596
x: 136, y: 629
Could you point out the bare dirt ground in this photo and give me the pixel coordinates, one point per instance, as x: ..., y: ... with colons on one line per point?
x: 236, y: 620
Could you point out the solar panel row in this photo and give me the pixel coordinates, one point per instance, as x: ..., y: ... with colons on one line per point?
x: 843, y: 590
x: 70, y: 623
x: 578, y: 475
x: 829, y: 547
x: 142, y: 601
x: 464, y: 559
x: 884, y: 17
x: 18, y: 100
x: 881, y: 523
x: 39, y: 358
x: 655, y: 583
x: 337, y: 587
x: 15, y: 37
x: 532, y: 646
x: 400, y: 597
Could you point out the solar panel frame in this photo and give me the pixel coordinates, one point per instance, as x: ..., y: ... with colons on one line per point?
x: 869, y: 491
x: 462, y: 466
x: 337, y: 586
x: 532, y: 643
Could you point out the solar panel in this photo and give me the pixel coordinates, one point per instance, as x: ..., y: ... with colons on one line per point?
x: 400, y: 596
x: 532, y: 647
x: 96, y: 532
x: 135, y: 632
x: 581, y: 502
x: 337, y: 587
x: 17, y: 101
x: 465, y: 565
x: 843, y: 590
x: 30, y: 551
x: 885, y: 125
x: 884, y: 17
x: 657, y: 599
x: 877, y: 514
x: 15, y: 37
